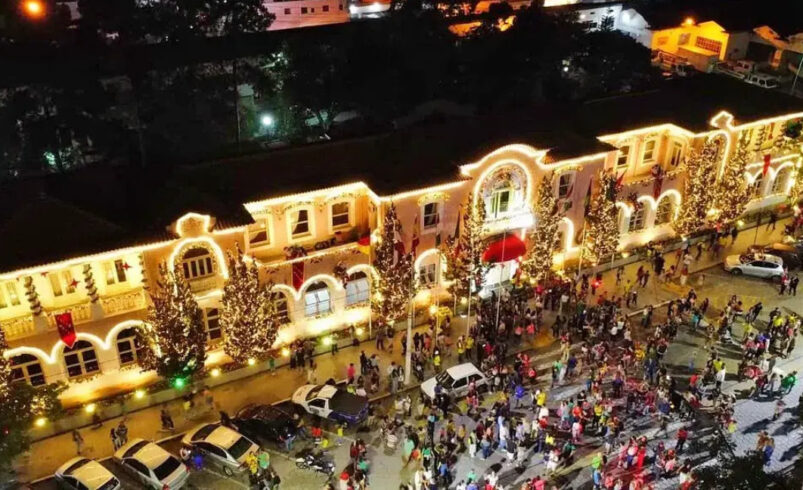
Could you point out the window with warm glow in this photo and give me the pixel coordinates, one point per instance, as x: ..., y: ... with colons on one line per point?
x: 81, y: 359
x: 665, y: 211
x: 114, y: 271
x: 621, y: 160
x: 431, y: 215
x: 282, y: 310
x: 636, y: 222
x: 128, y: 348
x: 317, y: 300
x: 197, y: 263
x: 259, y: 234
x: 500, y: 201
x: 62, y: 282
x: 26, y: 368
x: 565, y: 185
x: 428, y: 275
x: 781, y: 179
x: 212, y: 324
x: 340, y: 215
x: 649, y: 151
x: 300, y: 223
x: 758, y: 186
x: 9, y: 296
x: 676, y: 155
x: 357, y: 289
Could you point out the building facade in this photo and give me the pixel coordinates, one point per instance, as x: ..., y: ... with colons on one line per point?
x: 304, y: 235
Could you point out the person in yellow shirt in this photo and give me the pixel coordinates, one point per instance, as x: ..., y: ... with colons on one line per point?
x: 541, y: 399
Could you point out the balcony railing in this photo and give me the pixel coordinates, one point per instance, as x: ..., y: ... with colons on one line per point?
x: 124, y: 302
x: 18, y: 327
x: 203, y: 284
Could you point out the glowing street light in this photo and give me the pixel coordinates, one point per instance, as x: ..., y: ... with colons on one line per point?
x: 34, y: 9
x: 266, y: 120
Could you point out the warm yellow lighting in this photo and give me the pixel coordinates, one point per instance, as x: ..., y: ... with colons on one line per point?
x: 34, y: 8
x: 378, y: 296
x: 40, y: 422
x: 688, y: 22
x: 532, y: 281
x: 433, y: 309
x: 251, y: 361
x: 327, y: 341
x: 139, y: 394
x: 625, y: 255
x: 285, y: 352
x: 215, y: 372
x: 463, y: 300
x: 712, y: 212
x: 90, y: 408
x: 740, y: 223
x: 359, y: 331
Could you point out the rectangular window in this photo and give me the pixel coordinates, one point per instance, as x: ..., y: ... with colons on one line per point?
x: 758, y: 185
x: 55, y: 284
x: 286, y: 11
x: 317, y: 302
x: 326, y: 8
x: 500, y: 201
x: 708, y: 44
x: 427, y: 275
x: 683, y: 39
x: 624, y: 153
x: 357, y: 291
x: 303, y: 10
x: 649, y: 151
x: 340, y: 6
x: 114, y: 271
x: 282, y: 312
x: 259, y: 234
x: 62, y: 283
x: 431, y: 215
x: 197, y: 263
x: 340, y: 215
x: 212, y: 321
x: 636, y: 220
x: 676, y: 156
x: 9, y: 295
x: 662, y: 40
x: 301, y: 223
x: 565, y: 185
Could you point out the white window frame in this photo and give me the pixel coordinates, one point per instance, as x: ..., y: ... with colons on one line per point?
x: 112, y: 270
x: 561, y: 192
x: 495, y: 201
x: 358, y: 290
x: 60, y: 283
x: 428, y: 275
x: 349, y: 215
x: 623, y: 157
x: 131, y: 348
x: 785, y: 173
x: 758, y: 187
x: 283, y: 314
x: 637, y: 219
x: 205, y: 263
x: 434, y: 224
x: 671, y: 212
x: 653, y: 152
x: 676, y: 153
x: 26, y: 374
x: 317, y: 301
x: 208, y: 315
x: 263, y: 225
x: 9, y: 295
x: 82, y: 362
x: 291, y: 224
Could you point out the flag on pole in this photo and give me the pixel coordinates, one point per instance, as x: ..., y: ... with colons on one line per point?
x: 364, y: 244
x: 398, y: 243
x: 767, y: 162
x: 416, y: 240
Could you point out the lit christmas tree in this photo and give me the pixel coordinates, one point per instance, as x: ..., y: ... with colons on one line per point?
x: 393, y: 282
x: 700, y: 169
x: 537, y: 263
x: 248, y: 312
x: 174, y: 332
x: 602, y: 232
x: 732, y: 193
x: 463, y: 251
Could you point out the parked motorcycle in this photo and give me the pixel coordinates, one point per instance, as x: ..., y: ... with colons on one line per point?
x: 310, y: 459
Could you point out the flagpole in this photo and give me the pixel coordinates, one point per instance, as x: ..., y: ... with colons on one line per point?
x: 408, y: 357
x: 371, y: 281
x: 499, y: 298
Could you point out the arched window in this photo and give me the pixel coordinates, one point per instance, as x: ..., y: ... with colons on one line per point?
x: 81, y: 359
x: 636, y: 222
x: 781, y: 179
x: 282, y: 311
x: 27, y: 368
x: 665, y: 211
x: 758, y: 186
x: 128, y: 347
x: 357, y: 289
x: 500, y: 199
x: 317, y: 300
x: 623, y: 220
x: 197, y: 263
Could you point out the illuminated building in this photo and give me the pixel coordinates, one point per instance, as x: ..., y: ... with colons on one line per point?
x: 90, y: 242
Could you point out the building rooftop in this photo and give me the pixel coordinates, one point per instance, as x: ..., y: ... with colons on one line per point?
x: 103, y: 208
x: 785, y: 16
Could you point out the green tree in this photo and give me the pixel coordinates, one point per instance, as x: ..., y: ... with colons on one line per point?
x: 608, y: 61
x: 465, y: 270
x: 174, y: 333
x: 700, y: 166
x: 602, y: 229
x: 537, y: 262
x: 248, y: 314
x: 739, y: 473
x: 732, y: 193
x: 392, y: 285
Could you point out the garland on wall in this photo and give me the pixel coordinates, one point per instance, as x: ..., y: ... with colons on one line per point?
x: 89, y: 283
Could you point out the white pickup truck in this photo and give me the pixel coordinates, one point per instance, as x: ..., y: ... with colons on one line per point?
x: 330, y: 402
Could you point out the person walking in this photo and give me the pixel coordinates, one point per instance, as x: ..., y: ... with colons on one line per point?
x: 122, y: 433
x: 78, y: 439
x: 115, y: 438
x: 682, y: 436
x: 769, y: 448
x: 167, y: 420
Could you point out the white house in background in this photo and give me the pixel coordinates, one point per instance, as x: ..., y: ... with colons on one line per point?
x: 305, y: 13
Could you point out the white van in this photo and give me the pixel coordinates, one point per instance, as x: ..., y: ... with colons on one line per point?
x: 455, y: 381
x: 762, y: 80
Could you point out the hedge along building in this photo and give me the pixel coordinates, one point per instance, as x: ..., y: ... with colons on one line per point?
x: 90, y: 242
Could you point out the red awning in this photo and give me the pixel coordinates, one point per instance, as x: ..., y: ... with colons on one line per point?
x: 503, y: 248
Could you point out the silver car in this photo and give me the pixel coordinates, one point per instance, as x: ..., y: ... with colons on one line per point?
x: 221, y: 446
x: 153, y: 466
x: 85, y: 474
x: 758, y: 265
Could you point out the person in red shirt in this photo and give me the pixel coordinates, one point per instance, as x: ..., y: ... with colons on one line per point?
x: 682, y: 436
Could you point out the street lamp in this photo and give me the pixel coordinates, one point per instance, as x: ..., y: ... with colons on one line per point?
x: 34, y: 9
x: 266, y: 120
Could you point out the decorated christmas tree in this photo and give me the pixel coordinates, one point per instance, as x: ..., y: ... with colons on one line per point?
x: 463, y: 251
x: 732, y: 193
x: 537, y: 263
x: 602, y: 232
x: 393, y: 282
x: 174, y: 332
x: 248, y: 312
x: 700, y: 169
x: 20, y: 405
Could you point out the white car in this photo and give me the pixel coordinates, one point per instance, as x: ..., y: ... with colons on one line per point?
x: 455, y: 381
x: 86, y: 474
x: 759, y: 265
x: 222, y: 446
x: 152, y: 465
x: 331, y: 402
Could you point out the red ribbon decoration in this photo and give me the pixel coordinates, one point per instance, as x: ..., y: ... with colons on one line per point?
x: 766, y: 165
x: 66, y: 328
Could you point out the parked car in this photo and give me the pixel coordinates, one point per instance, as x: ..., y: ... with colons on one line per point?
x: 330, y: 402
x: 455, y: 381
x: 152, y: 465
x: 265, y: 423
x: 790, y: 255
x: 759, y: 265
x: 220, y: 446
x: 85, y: 474
x: 762, y: 80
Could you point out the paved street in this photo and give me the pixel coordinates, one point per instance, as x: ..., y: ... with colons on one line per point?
x: 47, y: 454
